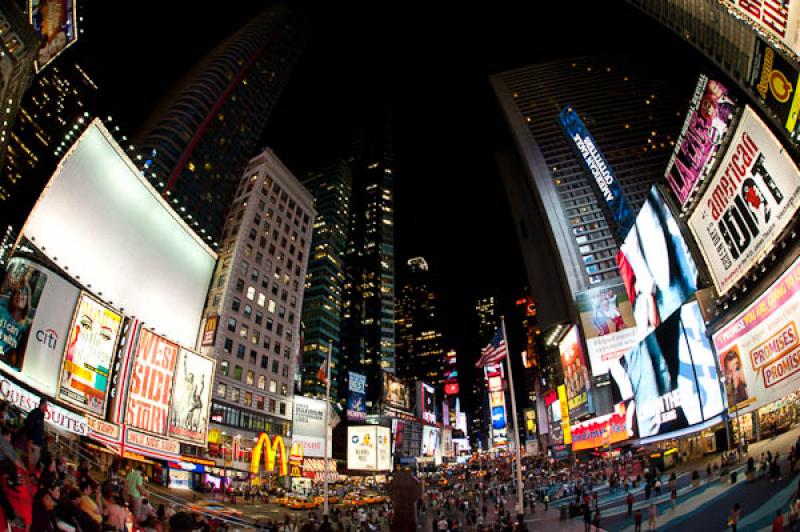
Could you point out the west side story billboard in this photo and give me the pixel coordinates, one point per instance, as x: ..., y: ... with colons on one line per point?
x: 597, y: 165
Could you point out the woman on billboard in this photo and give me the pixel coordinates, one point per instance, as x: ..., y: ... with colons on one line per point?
x: 18, y: 303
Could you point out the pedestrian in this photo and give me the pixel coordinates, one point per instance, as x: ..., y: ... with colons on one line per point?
x: 33, y: 428
x: 629, y: 500
x: 637, y: 520
x: 647, y: 490
x: 658, y: 487
x: 777, y: 524
x: 546, y: 501
x: 597, y: 519
x: 587, y: 518
x: 674, y: 497
x: 734, y: 516
x: 652, y: 517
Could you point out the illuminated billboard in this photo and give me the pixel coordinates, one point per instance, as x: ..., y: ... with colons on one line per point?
x: 101, y: 220
x: 55, y: 21
x: 600, y: 431
x: 191, y: 397
x: 749, y: 202
x: 369, y: 448
x: 426, y: 402
x: 758, y: 348
x: 430, y: 440
x: 596, y: 164
x: 308, y: 428
x: 395, y: 392
x: 778, y: 18
x: 150, y: 386
x: 710, y: 114
x: 608, y: 324
x: 655, y: 265
x: 576, y: 374
x: 775, y: 80
x: 356, y: 398
x: 565, y: 414
x: 86, y: 365
x: 36, y: 308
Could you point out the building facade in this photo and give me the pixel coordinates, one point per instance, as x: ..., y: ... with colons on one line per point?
x: 198, y: 142
x: 487, y: 319
x: 256, y: 297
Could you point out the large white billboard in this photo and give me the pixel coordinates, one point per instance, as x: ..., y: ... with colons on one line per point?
x: 369, y: 448
x: 100, y: 219
x: 752, y: 197
x: 308, y: 426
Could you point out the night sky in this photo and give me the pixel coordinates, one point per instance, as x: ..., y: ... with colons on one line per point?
x: 429, y: 62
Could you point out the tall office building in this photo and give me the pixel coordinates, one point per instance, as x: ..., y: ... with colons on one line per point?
x: 332, y: 189
x: 256, y: 298
x: 420, y: 345
x: 198, y: 142
x: 487, y: 319
x: 634, y: 116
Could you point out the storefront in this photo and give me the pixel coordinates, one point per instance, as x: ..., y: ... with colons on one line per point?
x: 777, y: 417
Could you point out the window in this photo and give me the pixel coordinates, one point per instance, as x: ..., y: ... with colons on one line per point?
x: 284, y: 389
x: 248, y: 311
x: 236, y: 304
x: 275, y: 366
x: 262, y: 242
x: 269, y: 324
x: 237, y: 373
x: 272, y: 404
x: 254, y: 275
x: 232, y: 324
x: 264, y: 362
x: 253, y: 356
x: 285, y: 371
x: 251, y: 293
x: 235, y: 395
x: 259, y: 257
x: 264, y: 282
x: 259, y: 317
x: 240, y: 352
x: 243, y: 330
x: 283, y: 409
x: 266, y: 342
x: 262, y: 382
x: 271, y: 305
x: 245, y: 267
x: 222, y: 389
x: 240, y: 285
x: 274, y: 290
x: 248, y: 398
x: 261, y: 299
x: 228, y: 345
x: 260, y: 402
x: 250, y: 377
x: 277, y: 348
x: 284, y: 295
x: 282, y: 312
x: 293, y: 301
x: 223, y: 367
x: 286, y: 353
x: 279, y: 329
x: 248, y: 250
x: 273, y: 386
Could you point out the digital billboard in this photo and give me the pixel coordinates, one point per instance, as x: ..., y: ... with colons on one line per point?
x: 369, y: 448
x: 150, y: 263
x: 36, y: 308
x: 751, y: 199
x: 191, y: 397
x: 775, y: 81
x: 670, y: 378
x: 150, y: 385
x: 710, y: 114
x: 595, y: 162
x: 86, y: 365
x: 576, y: 374
x: 426, y: 402
x: 565, y: 414
x: 55, y: 21
x: 758, y: 349
x: 608, y: 324
x: 356, y: 398
x: 430, y: 440
x: 309, y: 426
x: 395, y: 392
x: 778, y: 18
x: 602, y: 430
x: 655, y: 265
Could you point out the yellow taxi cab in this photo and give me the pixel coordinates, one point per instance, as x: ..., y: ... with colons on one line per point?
x: 280, y: 501
x: 215, y: 509
x: 332, y: 499
x: 353, y: 499
x: 300, y: 503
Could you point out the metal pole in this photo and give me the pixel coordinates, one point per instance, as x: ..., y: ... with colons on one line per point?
x: 325, y: 425
x: 520, y: 507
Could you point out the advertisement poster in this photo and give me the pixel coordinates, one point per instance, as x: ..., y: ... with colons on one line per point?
x: 576, y: 374
x: 60, y: 418
x: 710, y: 114
x: 150, y: 387
x: 395, y: 393
x: 778, y: 18
x: 426, y: 408
x: 191, y: 397
x: 362, y: 448
x: 596, y: 164
x: 775, y: 81
x: 383, y: 436
x: 36, y: 360
x: 565, y: 414
x: 55, y: 22
x: 430, y: 440
x: 19, y: 298
x: 751, y: 199
x: 356, y: 398
x: 656, y: 267
x: 89, y: 354
x: 210, y: 331
x: 759, y: 350
x: 608, y: 324
x: 600, y: 431
x: 670, y: 379
x: 309, y: 426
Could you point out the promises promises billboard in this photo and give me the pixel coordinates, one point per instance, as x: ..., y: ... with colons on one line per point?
x: 597, y: 165
x: 86, y: 366
x: 751, y: 199
x: 150, y: 262
x: 191, y: 397
x: 150, y: 387
x: 759, y: 350
x: 710, y: 114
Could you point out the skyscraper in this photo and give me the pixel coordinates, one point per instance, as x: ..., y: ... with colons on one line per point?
x: 488, y: 320
x: 420, y: 346
x: 198, y: 142
x: 332, y: 189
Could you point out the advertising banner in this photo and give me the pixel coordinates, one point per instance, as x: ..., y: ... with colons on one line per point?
x: 778, y: 18
x: 430, y: 440
x: 576, y: 374
x: 55, y: 21
x: 426, y: 408
x: 356, y: 399
x: 595, y: 162
x: 395, y: 393
x: 670, y: 379
x: 656, y: 267
x: 150, y: 387
x: 759, y: 350
x: 60, y: 418
x: 447, y: 443
x: 191, y: 397
x: 309, y: 426
x: 86, y: 365
x: 104, y: 431
x: 775, y: 81
x: 565, y: 413
x: 710, y: 114
x: 32, y: 349
x: 601, y: 430
x: 751, y: 199
x: 150, y: 445
x: 608, y: 324
x: 383, y: 437
x: 362, y: 448
x: 210, y: 331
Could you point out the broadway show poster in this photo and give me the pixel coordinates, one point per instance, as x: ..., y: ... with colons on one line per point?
x: 150, y: 387
x: 87, y: 361
x: 710, y: 114
x: 576, y: 374
x: 759, y: 350
x: 356, y: 398
x: 608, y: 324
x: 751, y: 199
x: 775, y: 81
x: 19, y: 298
x: 191, y: 397
x: 55, y: 22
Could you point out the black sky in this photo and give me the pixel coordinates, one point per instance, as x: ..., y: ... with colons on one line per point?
x: 429, y: 62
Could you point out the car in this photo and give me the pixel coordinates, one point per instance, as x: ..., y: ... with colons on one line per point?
x: 332, y: 499
x: 301, y: 503
x: 281, y: 501
x: 215, y: 509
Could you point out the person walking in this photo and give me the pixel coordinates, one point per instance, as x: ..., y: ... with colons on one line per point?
x: 33, y: 428
x: 674, y: 498
x: 637, y: 520
x: 546, y: 502
x: 652, y: 517
x: 734, y: 516
x: 596, y: 520
x: 777, y: 524
x: 587, y: 518
x: 134, y: 482
x: 629, y: 500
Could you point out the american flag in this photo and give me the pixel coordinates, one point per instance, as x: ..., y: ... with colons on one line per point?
x: 495, y: 351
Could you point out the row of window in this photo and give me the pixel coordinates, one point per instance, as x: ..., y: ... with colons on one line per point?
x: 252, y: 421
x: 259, y: 402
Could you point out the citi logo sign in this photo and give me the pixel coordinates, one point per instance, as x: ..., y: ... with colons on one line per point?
x: 47, y: 337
